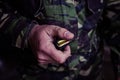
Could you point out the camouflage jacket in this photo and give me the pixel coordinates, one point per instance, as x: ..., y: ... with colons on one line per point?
x: 78, y: 16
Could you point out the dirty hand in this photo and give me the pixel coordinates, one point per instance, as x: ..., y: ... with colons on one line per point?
x: 41, y: 41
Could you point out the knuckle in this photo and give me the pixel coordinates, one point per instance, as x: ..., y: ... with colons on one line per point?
x: 40, y: 62
x: 60, y: 29
x: 61, y: 60
x: 63, y: 29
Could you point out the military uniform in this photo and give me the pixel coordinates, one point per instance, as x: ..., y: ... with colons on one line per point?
x: 78, y: 16
x: 109, y: 31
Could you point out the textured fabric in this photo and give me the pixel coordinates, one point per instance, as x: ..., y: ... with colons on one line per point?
x: 78, y: 16
x: 13, y: 25
x: 109, y: 30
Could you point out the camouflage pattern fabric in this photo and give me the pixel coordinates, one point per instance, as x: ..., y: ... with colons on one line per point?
x: 109, y: 30
x: 78, y: 16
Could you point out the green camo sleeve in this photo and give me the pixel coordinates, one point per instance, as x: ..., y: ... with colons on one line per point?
x: 14, y: 27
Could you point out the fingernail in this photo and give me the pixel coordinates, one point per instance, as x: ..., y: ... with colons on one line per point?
x: 68, y: 34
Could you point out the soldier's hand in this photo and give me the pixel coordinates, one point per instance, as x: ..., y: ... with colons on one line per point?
x: 41, y: 41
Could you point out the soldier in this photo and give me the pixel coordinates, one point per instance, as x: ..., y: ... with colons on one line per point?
x: 36, y: 25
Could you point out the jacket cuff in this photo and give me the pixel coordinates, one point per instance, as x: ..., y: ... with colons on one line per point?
x: 22, y: 39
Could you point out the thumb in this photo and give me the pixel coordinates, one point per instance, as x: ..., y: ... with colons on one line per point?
x: 64, y: 33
